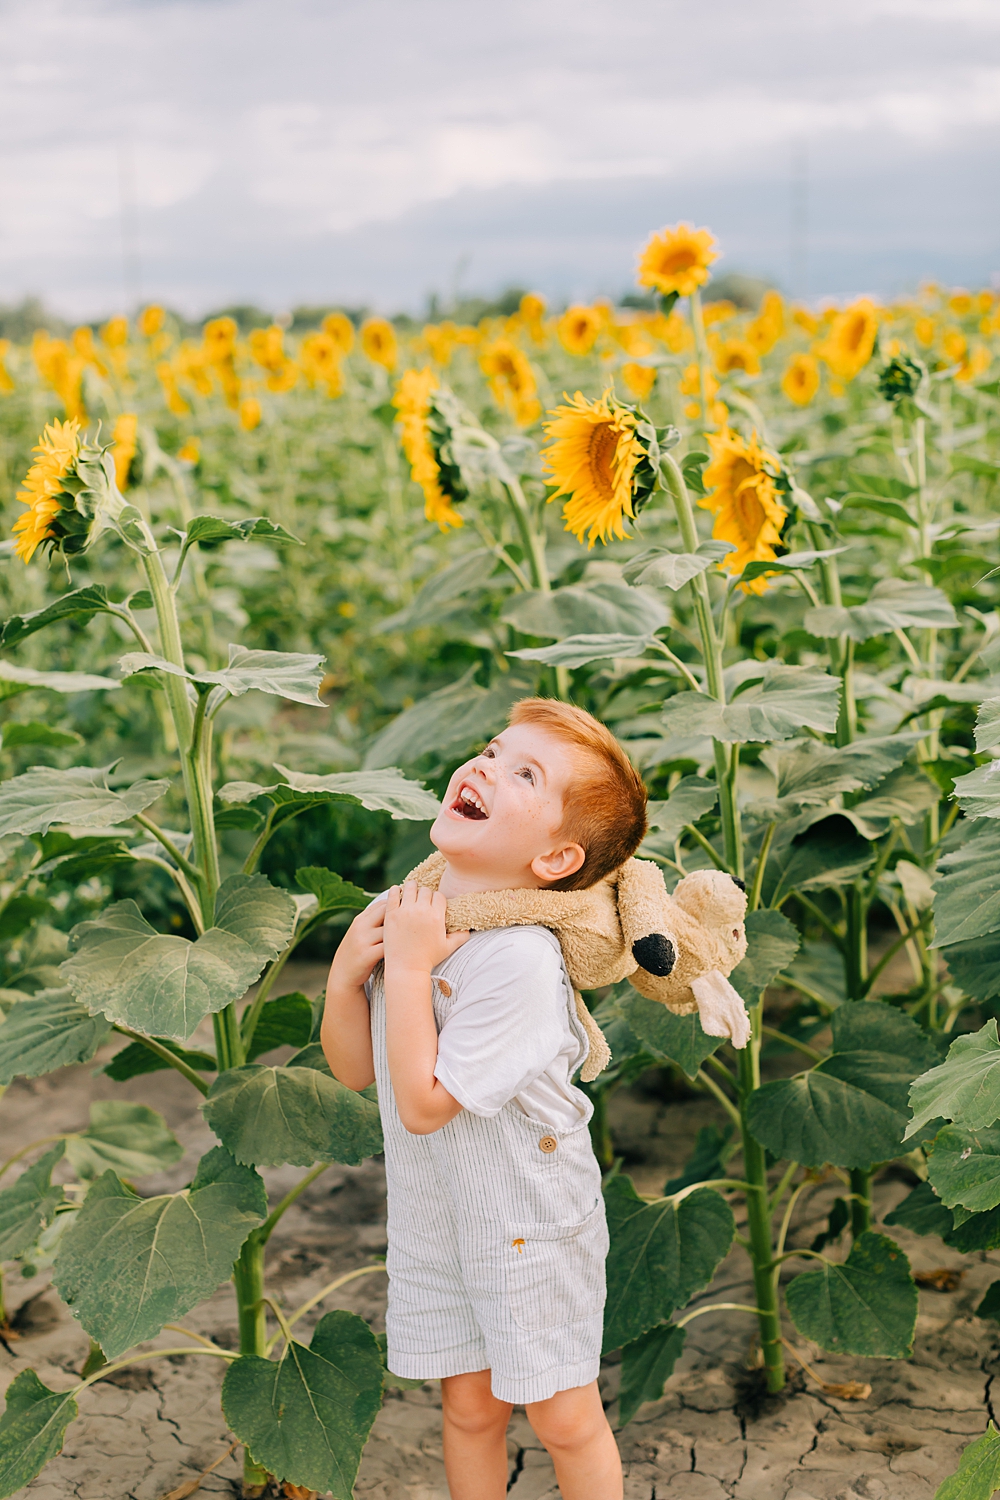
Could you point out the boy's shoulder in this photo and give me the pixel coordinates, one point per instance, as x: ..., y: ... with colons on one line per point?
x: 514, y: 950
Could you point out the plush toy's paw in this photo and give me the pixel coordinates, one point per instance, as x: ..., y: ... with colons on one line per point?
x: 655, y: 953
x: 721, y: 1008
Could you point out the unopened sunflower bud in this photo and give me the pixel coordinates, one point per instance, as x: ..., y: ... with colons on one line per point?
x: 900, y: 379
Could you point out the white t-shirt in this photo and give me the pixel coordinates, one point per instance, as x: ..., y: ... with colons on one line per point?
x: 506, y: 1033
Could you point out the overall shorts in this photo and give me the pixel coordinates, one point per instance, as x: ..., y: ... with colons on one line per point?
x: 497, y: 1240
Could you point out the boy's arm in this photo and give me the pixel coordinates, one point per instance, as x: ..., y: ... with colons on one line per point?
x: 346, y: 1032
x: 415, y: 940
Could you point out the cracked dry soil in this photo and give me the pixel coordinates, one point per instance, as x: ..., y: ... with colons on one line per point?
x: 148, y: 1430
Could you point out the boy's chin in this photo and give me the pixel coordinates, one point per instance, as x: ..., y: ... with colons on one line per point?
x: 451, y: 836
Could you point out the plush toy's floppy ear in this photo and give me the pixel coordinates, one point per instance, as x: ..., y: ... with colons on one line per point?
x: 642, y: 906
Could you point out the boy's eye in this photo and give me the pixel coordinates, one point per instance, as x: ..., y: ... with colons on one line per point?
x: 489, y: 753
x: 527, y: 773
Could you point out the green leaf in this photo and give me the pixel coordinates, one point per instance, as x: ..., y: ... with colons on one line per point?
x: 135, y: 1059
x: 967, y: 888
x: 284, y: 1022
x: 32, y: 802
x: 850, y: 1109
x: 967, y: 463
x: 990, y: 1305
x: 893, y: 604
x: 882, y: 484
x: 711, y: 1152
x: 786, y: 701
x: 987, y: 724
x: 446, y: 723
x: 468, y: 573
x: 978, y: 793
x: 215, y: 529
x: 830, y: 853
x: 38, y: 734
x: 32, y: 1430
x: 679, y: 1039
x: 15, y: 679
x: 164, y: 985
x: 130, y: 1138
x: 29, y: 1205
x: 285, y: 674
x: 647, y: 1365
x: 890, y: 508
x: 580, y: 650
x: 973, y: 1232
x: 82, y: 604
x: 128, y: 1264
x: 808, y: 771
x: 384, y: 790
x: 71, y: 860
x: 964, y: 1168
x: 964, y: 1088
x: 672, y: 570
x: 790, y: 563
x: 772, y: 943
x: 19, y: 913
x: 978, y: 1474
x: 46, y: 1032
x: 597, y: 609
x: 690, y: 799
x: 297, y: 1113
x: 906, y: 793
x: 331, y: 891
x: 867, y: 1306
x: 307, y: 1417
x: 922, y: 1212
x: 660, y: 1255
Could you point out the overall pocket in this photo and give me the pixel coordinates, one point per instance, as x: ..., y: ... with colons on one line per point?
x: 555, y: 1272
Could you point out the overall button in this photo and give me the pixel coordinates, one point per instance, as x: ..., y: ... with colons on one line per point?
x: 547, y: 1143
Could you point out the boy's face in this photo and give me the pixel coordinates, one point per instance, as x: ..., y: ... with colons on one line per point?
x: 499, y: 825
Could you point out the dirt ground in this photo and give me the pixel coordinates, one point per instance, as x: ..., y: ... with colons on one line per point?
x: 159, y: 1425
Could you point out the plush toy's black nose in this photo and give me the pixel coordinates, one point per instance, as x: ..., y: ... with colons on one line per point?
x: 741, y: 883
x: 655, y: 954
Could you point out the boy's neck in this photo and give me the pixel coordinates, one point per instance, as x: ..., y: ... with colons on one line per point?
x: 466, y: 882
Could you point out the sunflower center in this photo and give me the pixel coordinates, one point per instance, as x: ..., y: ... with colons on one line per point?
x: 855, y: 333
x: 681, y: 259
x: 601, y: 455
x: 750, y: 514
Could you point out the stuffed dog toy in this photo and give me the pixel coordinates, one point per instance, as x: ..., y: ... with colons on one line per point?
x: 678, y: 950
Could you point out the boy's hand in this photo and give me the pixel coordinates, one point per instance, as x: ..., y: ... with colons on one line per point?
x: 414, y: 934
x: 360, y: 948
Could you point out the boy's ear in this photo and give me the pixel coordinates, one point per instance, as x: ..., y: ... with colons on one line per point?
x: 558, y: 863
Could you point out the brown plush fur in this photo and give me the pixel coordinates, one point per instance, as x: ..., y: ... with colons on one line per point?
x: 702, y: 922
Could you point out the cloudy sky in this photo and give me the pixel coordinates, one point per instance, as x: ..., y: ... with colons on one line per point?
x: 377, y: 151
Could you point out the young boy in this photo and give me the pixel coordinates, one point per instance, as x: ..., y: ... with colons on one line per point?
x: 496, y: 1231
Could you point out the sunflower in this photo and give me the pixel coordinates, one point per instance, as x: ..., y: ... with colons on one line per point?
x: 800, y: 381
x: 512, y: 380
x: 804, y: 319
x: 57, y: 450
x: 850, y: 342
x: 319, y: 359
x: 767, y: 327
x: 954, y: 345
x: 639, y: 379
x: 439, y: 340
x: 413, y: 401
x: 378, y: 340
x: 151, y: 320
x: 605, y: 457
x: 578, y: 329
x: 6, y: 383
x: 123, y: 450
x: 190, y: 453
x: 167, y: 377
x: 741, y: 481
x: 718, y: 311
x: 531, y: 311
x: 62, y: 369
x: 338, y: 326
x: 976, y: 363
x: 677, y: 260
x: 735, y: 354
x: 250, y: 413
x: 219, y: 339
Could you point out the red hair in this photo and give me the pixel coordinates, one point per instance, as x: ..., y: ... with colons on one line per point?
x: 605, y: 811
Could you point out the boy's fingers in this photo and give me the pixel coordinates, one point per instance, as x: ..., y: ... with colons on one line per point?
x: 456, y: 939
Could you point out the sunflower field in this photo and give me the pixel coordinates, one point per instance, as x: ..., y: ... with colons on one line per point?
x: 256, y: 572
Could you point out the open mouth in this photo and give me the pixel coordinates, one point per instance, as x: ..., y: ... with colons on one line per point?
x: 468, y: 804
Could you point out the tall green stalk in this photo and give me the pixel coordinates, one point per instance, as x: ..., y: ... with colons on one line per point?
x: 248, y: 1279
x: 765, y: 1275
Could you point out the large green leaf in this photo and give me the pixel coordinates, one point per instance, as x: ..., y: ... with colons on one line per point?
x: 82, y: 604
x: 791, y: 562
x: 810, y: 771
x: 47, y: 1031
x: 32, y: 1430
x: 906, y: 793
x: 284, y: 1022
x: 975, y: 965
x: 964, y: 1168
x: 331, y: 891
x: 971, y: 1232
x: 867, y: 1306
x: 978, y: 793
x: 600, y: 609
x: 967, y: 887
x: 580, y: 650
x: 215, y: 529
x: 672, y: 570
x: 660, y: 1255
x: 893, y: 604
x: 285, y: 674
x: 33, y: 733
x: 384, y: 790
x: 978, y: 1474
x: 850, y: 1109
x: 964, y: 1088
x: 711, y: 1152
x: 28, y: 1205
x: 70, y: 859
x: 830, y: 853
x: 297, y: 1114
x: 446, y: 723
x: 922, y: 1212
x: 15, y: 679
x: 32, y: 802
x: 164, y: 985
x: 787, y: 700
x: 306, y: 1418
x: 679, y: 1039
x: 690, y: 799
x: 130, y: 1138
x: 128, y: 1264
x: 772, y: 943
x: 647, y: 1364
x: 467, y: 574
x: 987, y: 723
x: 135, y: 1059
